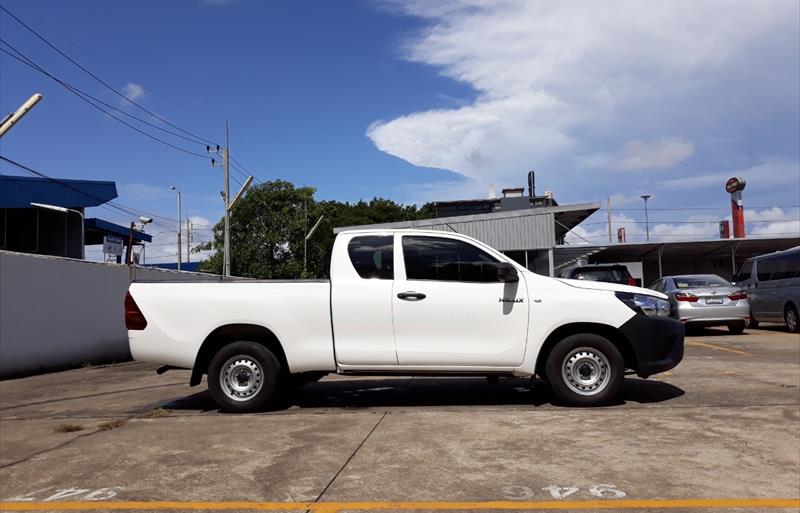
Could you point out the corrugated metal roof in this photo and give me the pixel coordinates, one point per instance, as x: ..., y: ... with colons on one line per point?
x: 102, y: 227
x: 529, y: 228
x: 21, y: 191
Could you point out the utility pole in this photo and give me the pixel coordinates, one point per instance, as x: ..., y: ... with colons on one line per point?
x: 608, y: 211
x: 646, y: 197
x: 226, y: 156
x: 179, y: 224
x: 188, y: 237
x: 226, y: 196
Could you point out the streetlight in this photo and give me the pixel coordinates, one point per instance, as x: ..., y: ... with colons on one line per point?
x: 11, y: 120
x: 145, y: 221
x: 66, y: 210
x: 179, y: 224
x: 646, y: 197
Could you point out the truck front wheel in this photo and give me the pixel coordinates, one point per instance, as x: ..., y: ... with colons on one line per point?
x: 585, y: 370
x: 243, y: 377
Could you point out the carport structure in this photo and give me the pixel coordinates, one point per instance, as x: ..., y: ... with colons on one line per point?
x: 717, y: 256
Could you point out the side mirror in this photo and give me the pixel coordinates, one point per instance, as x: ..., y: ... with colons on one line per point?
x: 506, y: 273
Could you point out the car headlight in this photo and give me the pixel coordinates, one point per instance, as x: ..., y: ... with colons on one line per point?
x: 647, y: 305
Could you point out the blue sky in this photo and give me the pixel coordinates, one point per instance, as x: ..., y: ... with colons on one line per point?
x: 418, y: 101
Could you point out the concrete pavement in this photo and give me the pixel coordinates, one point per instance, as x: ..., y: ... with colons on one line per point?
x: 725, y: 424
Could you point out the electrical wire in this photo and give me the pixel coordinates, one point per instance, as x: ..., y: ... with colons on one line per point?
x: 29, y: 62
x: 100, y: 80
x: 101, y: 109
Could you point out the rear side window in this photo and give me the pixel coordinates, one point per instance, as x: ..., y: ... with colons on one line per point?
x: 372, y: 256
x: 438, y: 258
x: 779, y: 268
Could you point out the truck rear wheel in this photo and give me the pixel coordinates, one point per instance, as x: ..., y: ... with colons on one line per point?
x: 243, y: 377
x: 585, y: 370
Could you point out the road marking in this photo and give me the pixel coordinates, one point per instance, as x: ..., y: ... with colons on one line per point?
x: 718, y: 348
x: 333, y: 507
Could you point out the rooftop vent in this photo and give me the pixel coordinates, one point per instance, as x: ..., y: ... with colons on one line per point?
x: 514, y: 192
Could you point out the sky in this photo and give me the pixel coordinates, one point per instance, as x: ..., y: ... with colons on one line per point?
x: 422, y: 101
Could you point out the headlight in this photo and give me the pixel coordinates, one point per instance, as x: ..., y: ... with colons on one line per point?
x: 648, y: 305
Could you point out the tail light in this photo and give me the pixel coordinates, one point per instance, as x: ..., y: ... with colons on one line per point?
x: 134, y: 319
x: 686, y: 296
x: 739, y: 294
x: 631, y: 281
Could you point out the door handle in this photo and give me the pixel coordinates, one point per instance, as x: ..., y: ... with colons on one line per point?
x: 411, y: 296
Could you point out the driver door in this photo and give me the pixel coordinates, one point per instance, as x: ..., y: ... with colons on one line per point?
x: 450, y: 309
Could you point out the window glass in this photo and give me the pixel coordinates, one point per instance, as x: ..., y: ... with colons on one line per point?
x: 372, y: 256
x: 779, y: 268
x: 607, y: 275
x: 700, y: 281
x: 765, y: 268
x: 436, y: 258
x: 744, y: 274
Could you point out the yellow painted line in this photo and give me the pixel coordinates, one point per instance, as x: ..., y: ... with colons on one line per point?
x: 332, y: 507
x: 718, y: 348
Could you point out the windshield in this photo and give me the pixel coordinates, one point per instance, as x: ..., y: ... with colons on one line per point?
x: 692, y: 282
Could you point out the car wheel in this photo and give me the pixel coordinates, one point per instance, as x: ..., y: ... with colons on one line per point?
x: 790, y: 319
x: 585, y: 370
x: 736, y: 329
x: 243, y: 377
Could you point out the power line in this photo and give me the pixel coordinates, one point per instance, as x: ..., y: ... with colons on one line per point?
x: 103, y: 203
x: 85, y: 99
x: 676, y: 209
x: 121, y: 95
x: 29, y: 62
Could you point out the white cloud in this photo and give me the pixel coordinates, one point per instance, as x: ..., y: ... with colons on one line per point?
x: 133, y: 91
x: 663, y: 153
x: 552, y: 77
x: 772, y: 222
x: 769, y: 173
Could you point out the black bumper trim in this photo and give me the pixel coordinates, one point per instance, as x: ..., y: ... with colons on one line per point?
x: 657, y: 343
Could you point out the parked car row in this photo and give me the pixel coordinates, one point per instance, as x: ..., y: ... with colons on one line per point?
x: 767, y: 289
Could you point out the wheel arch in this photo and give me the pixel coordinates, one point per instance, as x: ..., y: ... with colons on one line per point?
x: 229, y: 333
x: 614, y: 335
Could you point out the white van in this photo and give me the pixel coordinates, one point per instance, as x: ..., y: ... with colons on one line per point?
x: 772, y: 283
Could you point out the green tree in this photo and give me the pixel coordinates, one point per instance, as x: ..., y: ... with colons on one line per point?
x: 269, y: 224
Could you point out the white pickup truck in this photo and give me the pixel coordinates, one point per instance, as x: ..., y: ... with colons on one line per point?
x: 406, y: 302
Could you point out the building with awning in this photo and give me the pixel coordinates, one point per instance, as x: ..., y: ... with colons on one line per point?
x: 722, y: 257
x: 46, y: 216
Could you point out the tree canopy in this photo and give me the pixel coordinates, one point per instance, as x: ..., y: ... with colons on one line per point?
x: 269, y: 224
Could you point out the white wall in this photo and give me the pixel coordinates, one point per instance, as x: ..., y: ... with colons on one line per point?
x: 58, y: 312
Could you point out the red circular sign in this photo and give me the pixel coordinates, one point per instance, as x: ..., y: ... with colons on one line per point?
x: 734, y: 184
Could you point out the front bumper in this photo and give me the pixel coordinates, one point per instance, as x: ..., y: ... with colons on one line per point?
x: 657, y: 343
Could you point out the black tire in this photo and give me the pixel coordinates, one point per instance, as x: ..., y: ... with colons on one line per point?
x: 580, y: 352
x: 736, y: 329
x: 233, y: 364
x: 791, y: 319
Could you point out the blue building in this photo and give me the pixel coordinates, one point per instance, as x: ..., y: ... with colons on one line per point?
x: 46, y: 216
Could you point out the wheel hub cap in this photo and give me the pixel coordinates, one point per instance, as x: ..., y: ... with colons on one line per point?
x: 586, y: 371
x: 241, y: 378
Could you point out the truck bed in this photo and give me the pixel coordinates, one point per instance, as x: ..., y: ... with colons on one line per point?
x: 182, y: 315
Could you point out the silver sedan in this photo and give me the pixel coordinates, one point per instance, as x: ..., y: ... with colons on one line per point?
x: 705, y: 300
